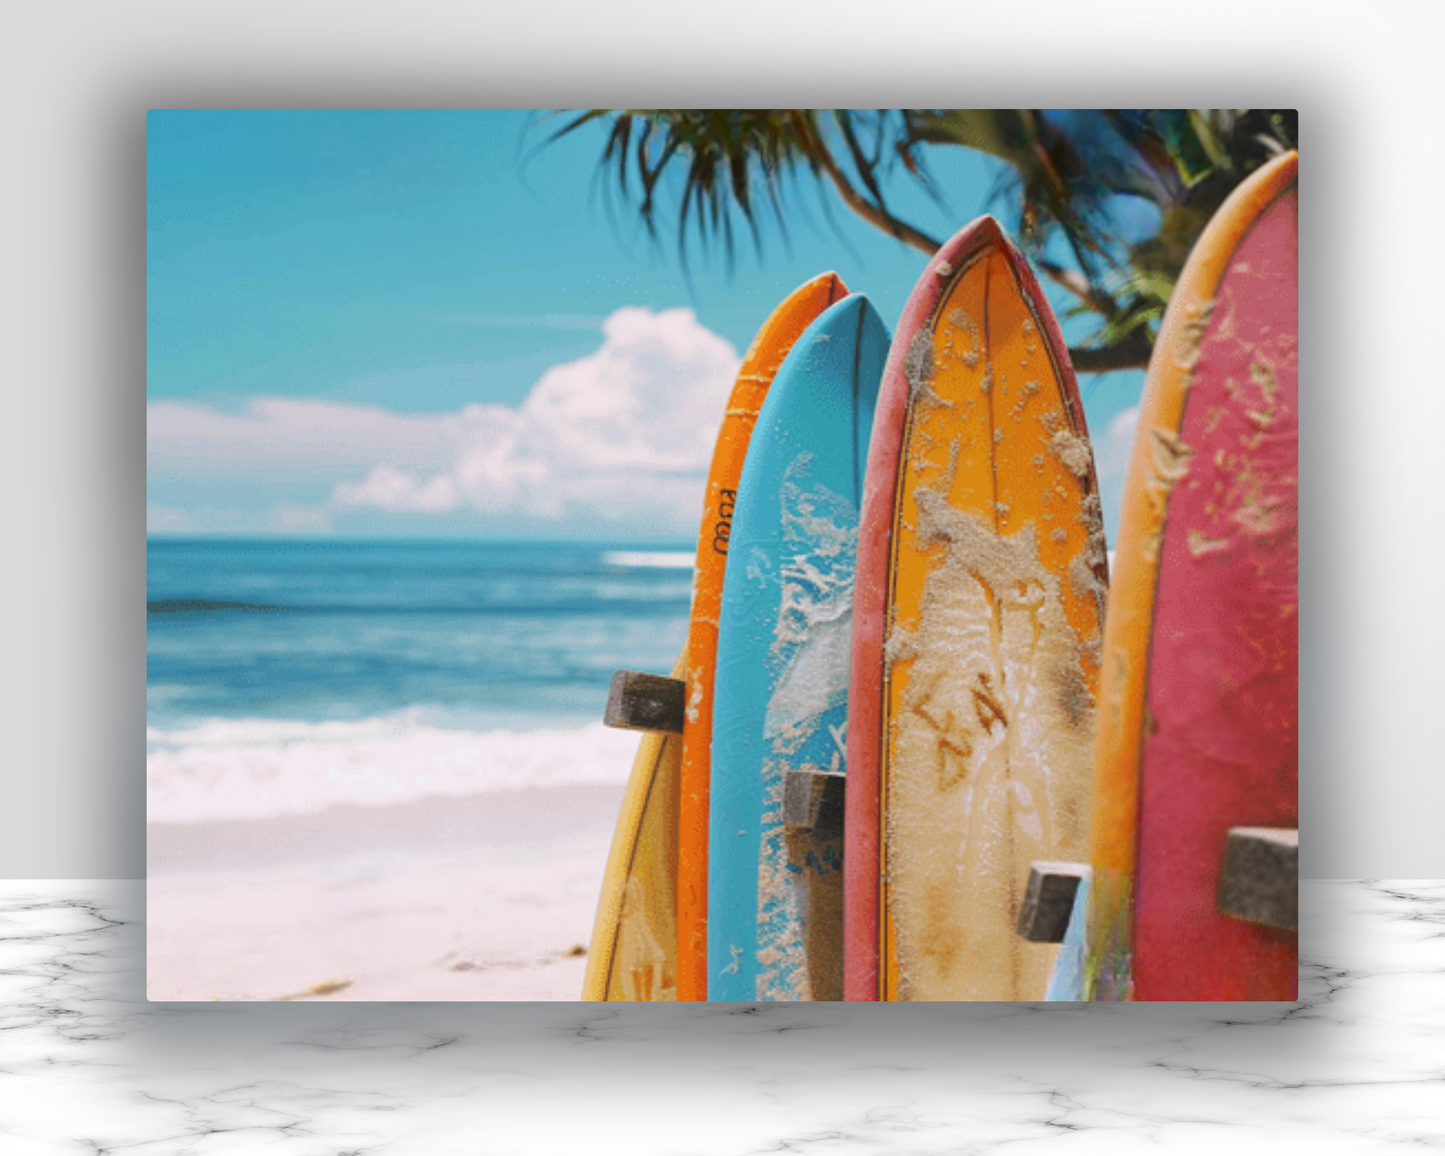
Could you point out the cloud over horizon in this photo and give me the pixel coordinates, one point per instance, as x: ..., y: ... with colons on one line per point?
x: 622, y: 436
x: 1111, y: 455
x: 1111, y: 461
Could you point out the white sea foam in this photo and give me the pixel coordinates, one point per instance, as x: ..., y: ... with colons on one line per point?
x: 255, y: 769
x: 650, y: 560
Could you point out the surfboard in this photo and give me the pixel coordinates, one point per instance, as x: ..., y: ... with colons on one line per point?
x: 760, y: 365
x: 1066, y: 982
x: 1199, y: 721
x: 780, y: 696
x: 979, y: 609
x: 633, y: 955
x: 642, y: 948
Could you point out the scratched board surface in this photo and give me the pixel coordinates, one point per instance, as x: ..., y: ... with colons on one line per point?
x: 1200, y: 727
x: 760, y: 366
x: 775, y: 892
x: 989, y: 644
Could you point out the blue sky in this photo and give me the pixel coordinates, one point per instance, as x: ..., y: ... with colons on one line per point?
x: 408, y: 323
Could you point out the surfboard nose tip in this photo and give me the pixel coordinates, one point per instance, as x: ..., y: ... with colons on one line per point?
x: 983, y: 231
x: 854, y: 325
x: 851, y: 308
x: 980, y: 234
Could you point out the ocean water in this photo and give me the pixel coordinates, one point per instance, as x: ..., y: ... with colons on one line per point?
x: 291, y: 676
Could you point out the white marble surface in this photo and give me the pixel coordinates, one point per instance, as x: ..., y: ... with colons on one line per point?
x: 87, y: 1066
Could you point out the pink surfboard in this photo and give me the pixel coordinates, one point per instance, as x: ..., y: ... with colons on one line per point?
x: 1198, y: 716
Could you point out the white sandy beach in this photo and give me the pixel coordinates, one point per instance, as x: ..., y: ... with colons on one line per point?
x: 480, y: 897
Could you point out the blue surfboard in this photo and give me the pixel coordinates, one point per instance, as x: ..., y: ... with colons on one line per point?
x: 775, y: 889
x: 1066, y: 981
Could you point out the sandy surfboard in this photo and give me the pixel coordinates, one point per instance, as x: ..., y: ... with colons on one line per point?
x: 780, y: 698
x: 1198, y: 723
x: 981, y: 581
x: 760, y: 366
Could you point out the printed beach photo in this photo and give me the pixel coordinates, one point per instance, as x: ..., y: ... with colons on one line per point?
x: 721, y: 554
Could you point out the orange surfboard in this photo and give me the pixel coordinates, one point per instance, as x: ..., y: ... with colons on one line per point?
x: 1198, y: 718
x: 977, y: 623
x: 771, y: 345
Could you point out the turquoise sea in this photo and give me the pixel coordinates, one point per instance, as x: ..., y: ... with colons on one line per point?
x: 292, y: 675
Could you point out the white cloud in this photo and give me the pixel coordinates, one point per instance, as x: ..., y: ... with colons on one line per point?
x: 624, y: 434
x: 1111, y: 459
x: 388, y: 488
x: 646, y: 400
x: 238, y: 519
x: 168, y: 520
x: 274, y: 431
x: 289, y: 519
x: 1111, y: 455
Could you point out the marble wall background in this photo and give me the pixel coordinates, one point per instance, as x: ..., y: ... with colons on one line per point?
x: 87, y: 1066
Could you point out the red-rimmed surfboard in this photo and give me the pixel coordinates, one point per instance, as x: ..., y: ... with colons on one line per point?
x: 978, y: 613
x: 1198, y: 720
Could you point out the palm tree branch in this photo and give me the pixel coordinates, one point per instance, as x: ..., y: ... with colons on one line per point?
x: 1065, y: 169
x: 875, y: 214
x: 1130, y: 353
x: 1090, y: 296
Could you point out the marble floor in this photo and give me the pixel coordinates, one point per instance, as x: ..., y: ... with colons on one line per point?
x: 88, y: 1066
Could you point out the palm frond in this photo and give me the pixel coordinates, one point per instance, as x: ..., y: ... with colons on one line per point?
x: 1062, y: 172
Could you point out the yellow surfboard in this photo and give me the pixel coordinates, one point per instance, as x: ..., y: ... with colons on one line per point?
x: 634, y: 940
x: 982, y: 504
